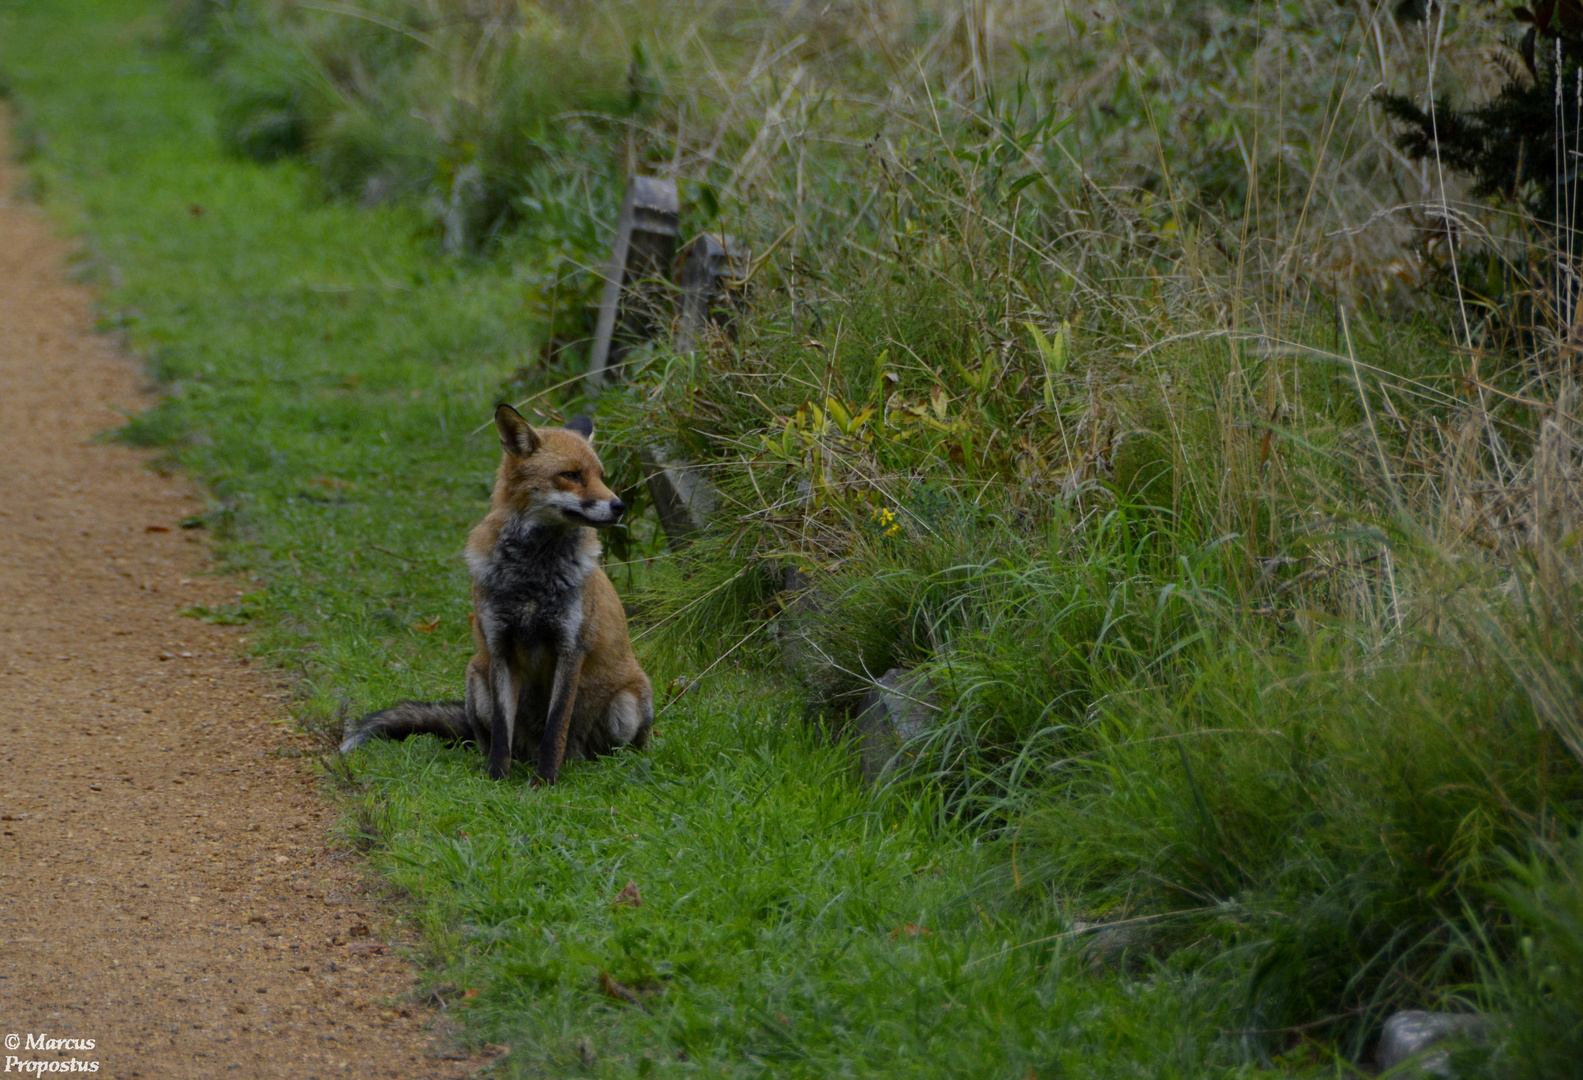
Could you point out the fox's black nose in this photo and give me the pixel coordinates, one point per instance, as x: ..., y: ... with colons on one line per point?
x: 617, y: 508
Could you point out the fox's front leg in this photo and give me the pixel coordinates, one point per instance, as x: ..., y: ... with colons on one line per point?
x: 479, y: 703
x: 552, y: 748
x: 506, y: 684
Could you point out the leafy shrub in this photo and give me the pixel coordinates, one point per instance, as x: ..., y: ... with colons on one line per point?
x: 264, y: 112
x: 1539, y: 988
x: 461, y: 102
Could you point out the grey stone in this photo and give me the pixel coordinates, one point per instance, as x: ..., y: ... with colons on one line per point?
x: 637, y: 290
x: 683, y: 498
x: 377, y: 191
x: 900, y: 707
x: 802, y: 610
x: 794, y: 579
x: 1413, y: 1034
x: 1106, y: 942
x: 467, y: 186
x: 709, y: 267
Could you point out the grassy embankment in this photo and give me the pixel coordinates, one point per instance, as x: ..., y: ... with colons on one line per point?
x: 322, y: 368
x: 1253, y: 622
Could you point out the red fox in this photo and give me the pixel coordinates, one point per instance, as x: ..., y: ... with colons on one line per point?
x: 554, y: 665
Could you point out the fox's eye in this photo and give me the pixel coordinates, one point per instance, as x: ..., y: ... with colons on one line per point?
x: 573, y: 476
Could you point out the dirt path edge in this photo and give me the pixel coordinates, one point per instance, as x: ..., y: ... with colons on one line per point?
x: 169, y: 890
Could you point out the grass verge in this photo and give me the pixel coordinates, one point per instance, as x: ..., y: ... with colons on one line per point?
x: 1235, y: 753
x: 320, y: 369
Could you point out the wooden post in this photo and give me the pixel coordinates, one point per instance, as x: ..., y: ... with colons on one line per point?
x: 709, y: 266
x: 682, y: 497
x: 636, y: 281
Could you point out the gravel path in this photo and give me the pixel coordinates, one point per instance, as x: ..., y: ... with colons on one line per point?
x: 167, y: 888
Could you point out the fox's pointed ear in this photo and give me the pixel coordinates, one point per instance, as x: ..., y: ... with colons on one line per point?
x: 516, y: 434
x: 584, y: 426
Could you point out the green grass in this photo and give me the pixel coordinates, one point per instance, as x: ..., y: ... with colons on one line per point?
x: 1234, y: 687
x: 778, y: 922
x: 321, y: 368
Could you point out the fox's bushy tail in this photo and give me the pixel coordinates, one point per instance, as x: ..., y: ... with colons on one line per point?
x: 447, y: 719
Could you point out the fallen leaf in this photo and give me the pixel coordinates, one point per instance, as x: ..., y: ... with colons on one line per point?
x: 629, y: 896
x: 156, y: 528
x: 470, y: 993
x: 616, y: 991
x: 427, y: 627
x: 911, y: 929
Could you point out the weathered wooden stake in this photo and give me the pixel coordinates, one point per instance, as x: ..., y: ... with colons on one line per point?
x: 640, y: 267
x: 709, y: 266
x: 682, y: 497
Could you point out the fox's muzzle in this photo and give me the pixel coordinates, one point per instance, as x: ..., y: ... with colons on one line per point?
x: 600, y: 513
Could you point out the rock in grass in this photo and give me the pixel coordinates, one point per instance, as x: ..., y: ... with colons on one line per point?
x: 467, y: 188
x: 802, y: 608
x: 1413, y: 1034
x: 1107, y: 942
x: 896, y: 710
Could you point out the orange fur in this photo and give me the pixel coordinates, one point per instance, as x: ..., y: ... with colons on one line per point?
x: 582, y: 692
x: 554, y: 668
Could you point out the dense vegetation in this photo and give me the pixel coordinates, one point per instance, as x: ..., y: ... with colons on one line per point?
x: 1106, y: 364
